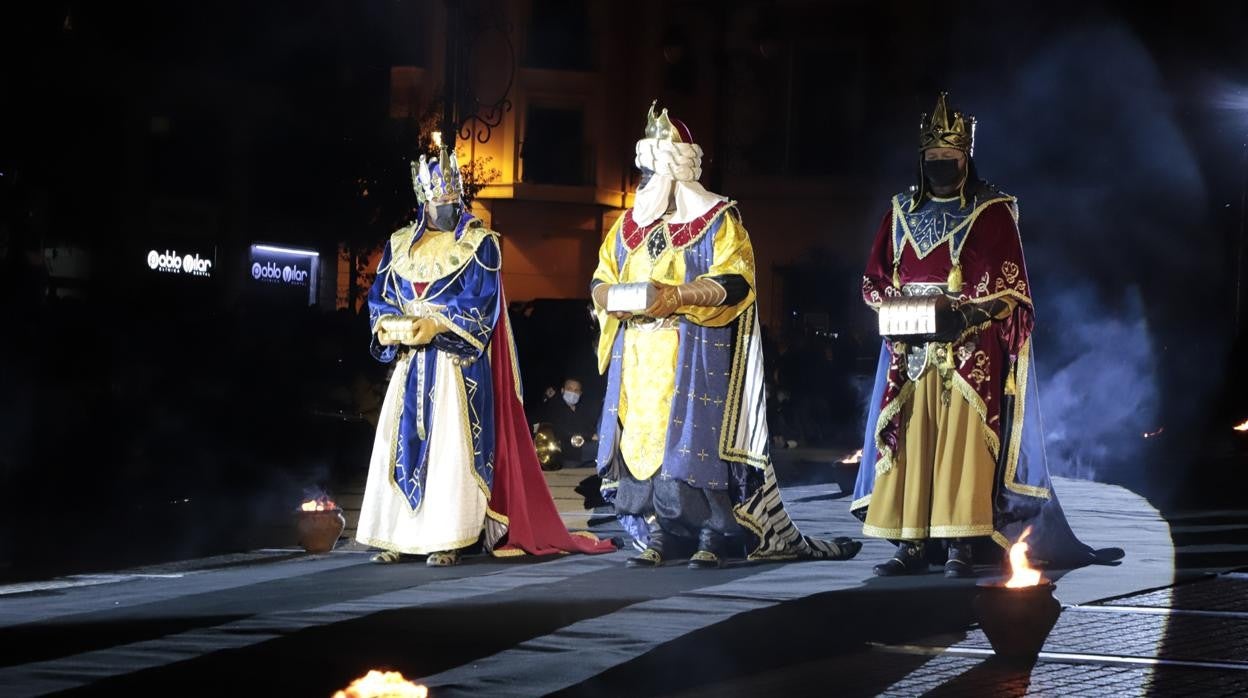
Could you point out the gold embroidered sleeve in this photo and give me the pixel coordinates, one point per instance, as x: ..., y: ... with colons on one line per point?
x: 703, y: 292
x: 469, y: 310
x: 733, y: 255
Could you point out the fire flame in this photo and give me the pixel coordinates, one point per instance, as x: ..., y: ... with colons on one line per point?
x: 1024, y: 575
x: 318, y: 504
x: 855, y: 457
x: 383, y: 684
x: 1242, y: 426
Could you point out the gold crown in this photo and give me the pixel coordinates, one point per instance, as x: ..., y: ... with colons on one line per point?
x: 660, y: 125
x: 947, y: 128
x: 438, y: 180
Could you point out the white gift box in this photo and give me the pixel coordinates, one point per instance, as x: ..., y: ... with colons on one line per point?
x: 630, y: 298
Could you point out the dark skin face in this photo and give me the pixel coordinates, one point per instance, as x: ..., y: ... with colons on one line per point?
x: 645, y: 178
x: 646, y: 174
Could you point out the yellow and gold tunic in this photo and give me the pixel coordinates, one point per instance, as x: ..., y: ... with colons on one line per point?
x: 651, y: 349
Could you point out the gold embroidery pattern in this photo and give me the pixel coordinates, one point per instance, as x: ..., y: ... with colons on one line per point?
x: 476, y: 321
x: 900, y: 218
x: 1022, y: 376
x: 983, y: 367
x: 1010, y: 271
x: 885, y: 461
x: 860, y: 503
x: 423, y: 549
x: 464, y: 406
x: 871, y: 293
x: 920, y: 533
x: 1007, y: 293
x: 736, y: 388
x: 475, y: 423
x: 436, y: 254
x: 981, y: 288
x: 729, y: 205
x: 396, y: 444
x: 515, y: 359
x: 967, y: 391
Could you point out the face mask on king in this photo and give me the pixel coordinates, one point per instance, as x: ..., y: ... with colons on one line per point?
x: 942, y: 173
x: 571, y: 398
x: 444, y: 216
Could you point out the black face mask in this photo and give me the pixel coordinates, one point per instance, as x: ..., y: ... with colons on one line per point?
x: 942, y: 173
x: 444, y: 216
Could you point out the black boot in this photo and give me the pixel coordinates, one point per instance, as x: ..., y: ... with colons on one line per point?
x: 710, y: 550
x: 960, y: 563
x: 909, y: 559
x: 652, y: 556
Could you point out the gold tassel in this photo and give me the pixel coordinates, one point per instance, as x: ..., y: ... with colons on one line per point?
x: 1011, y: 387
x: 955, y: 278
x: 896, y: 277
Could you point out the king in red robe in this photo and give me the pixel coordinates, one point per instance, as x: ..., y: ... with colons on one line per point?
x: 951, y: 457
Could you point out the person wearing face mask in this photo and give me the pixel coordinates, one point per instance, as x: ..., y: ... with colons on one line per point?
x: 683, y: 440
x: 575, y: 424
x: 953, y: 465
x: 453, y: 461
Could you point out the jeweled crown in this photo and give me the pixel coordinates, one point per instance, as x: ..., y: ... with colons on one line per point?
x: 438, y: 180
x: 947, y: 128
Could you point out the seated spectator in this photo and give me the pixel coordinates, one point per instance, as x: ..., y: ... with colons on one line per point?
x: 575, y: 425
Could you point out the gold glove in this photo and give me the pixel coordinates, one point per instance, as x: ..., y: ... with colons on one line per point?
x: 706, y: 293
x: 665, y: 303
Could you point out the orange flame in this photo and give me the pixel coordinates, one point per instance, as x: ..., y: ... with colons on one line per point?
x: 1024, y: 575
x: 855, y: 457
x: 383, y: 684
x: 1242, y: 426
x: 320, y: 504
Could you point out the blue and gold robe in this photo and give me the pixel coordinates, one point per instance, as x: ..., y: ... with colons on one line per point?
x: 453, y: 278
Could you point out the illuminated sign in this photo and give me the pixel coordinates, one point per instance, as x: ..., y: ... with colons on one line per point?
x: 292, y: 270
x: 170, y: 261
x: 269, y: 272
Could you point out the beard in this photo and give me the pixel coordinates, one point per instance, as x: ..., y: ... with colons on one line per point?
x: 652, y: 201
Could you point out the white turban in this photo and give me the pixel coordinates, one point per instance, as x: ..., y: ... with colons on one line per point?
x: 676, y: 167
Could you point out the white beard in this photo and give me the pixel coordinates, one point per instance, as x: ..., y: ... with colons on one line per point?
x: 653, y: 200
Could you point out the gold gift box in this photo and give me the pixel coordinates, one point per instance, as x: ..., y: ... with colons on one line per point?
x: 911, y: 316
x: 398, y: 328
